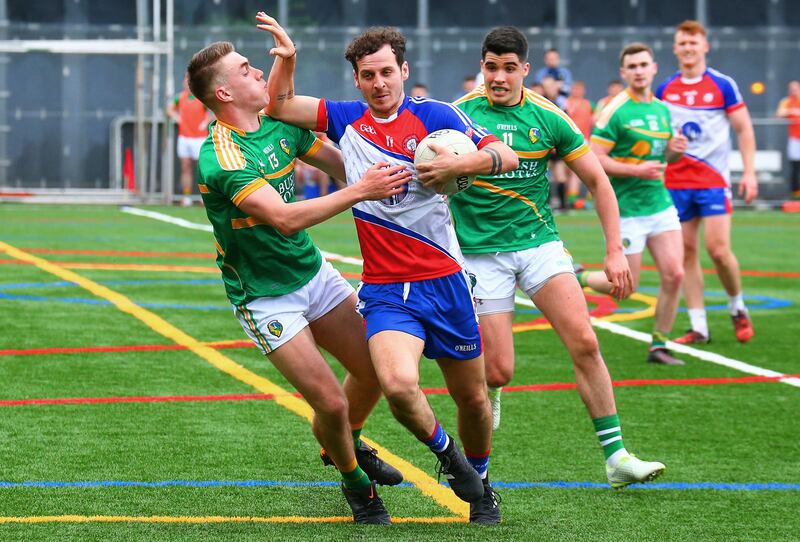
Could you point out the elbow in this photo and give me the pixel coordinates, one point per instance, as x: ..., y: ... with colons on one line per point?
x: 285, y: 227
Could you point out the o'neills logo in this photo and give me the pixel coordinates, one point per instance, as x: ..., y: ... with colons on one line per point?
x: 466, y: 347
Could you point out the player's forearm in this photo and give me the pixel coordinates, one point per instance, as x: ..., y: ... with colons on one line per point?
x: 299, y: 215
x: 747, y: 147
x: 608, y: 212
x: 615, y: 168
x: 280, y: 85
x: 671, y: 156
x: 494, y: 159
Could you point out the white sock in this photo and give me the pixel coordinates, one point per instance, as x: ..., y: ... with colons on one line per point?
x: 698, y: 319
x: 614, y: 459
x: 736, y: 303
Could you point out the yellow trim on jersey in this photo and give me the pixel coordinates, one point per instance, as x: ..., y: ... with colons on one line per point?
x: 477, y: 92
x: 602, y: 141
x: 203, y: 188
x: 610, y: 108
x: 533, y: 154
x: 232, y: 128
x: 283, y: 171
x: 544, y: 103
x: 219, y: 248
x: 511, y: 194
x: 628, y: 159
x: 577, y: 153
x: 251, y: 187
x: 229, y: 155
x: 243, y: 223
x: 650, y: 133
x: 314, y: 148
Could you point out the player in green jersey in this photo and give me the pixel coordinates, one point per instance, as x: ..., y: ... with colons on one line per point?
x: 288, y: 301
x: 509, y: 239
x: 633, y: 140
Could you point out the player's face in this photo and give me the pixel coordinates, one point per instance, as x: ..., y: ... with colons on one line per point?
x: 380, y: 81
x: 244, y: 84
x: 690, y: 49
x: 794, y: 88
x: 503, y: 76
x: 638, y: 70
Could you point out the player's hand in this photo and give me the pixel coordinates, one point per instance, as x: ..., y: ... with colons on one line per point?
x: 618, y: 273
x: 284, y: 47
x: 651, y: 169
x: 678, y: 144
x: 382, y: 181
x: 436, y: 173
x: 748, y: 187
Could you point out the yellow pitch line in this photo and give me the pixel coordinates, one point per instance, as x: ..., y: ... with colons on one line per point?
x: 211, y: 519
x: 443, y: 496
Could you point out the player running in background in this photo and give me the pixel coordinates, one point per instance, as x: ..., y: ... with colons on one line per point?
x: 633, y: 140
x: 415, y: 296
x: 286, y: 298
x: 704, y: 104
x: 509, y: 238
x: 192, y: 119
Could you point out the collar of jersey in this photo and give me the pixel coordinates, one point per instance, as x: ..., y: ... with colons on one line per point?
x: 394, y: 115
x: 239, y: 131
x: 633, y: 97
x: 693, y: 80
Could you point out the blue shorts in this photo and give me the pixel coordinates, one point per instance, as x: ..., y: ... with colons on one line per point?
x: 693, y: 202
x: 439, y: 311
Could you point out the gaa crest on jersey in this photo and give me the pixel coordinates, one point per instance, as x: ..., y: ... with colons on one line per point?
x: 275, y: 328
x: 534, y: 135
x: 626, y: 242
x: 285, y: 146
x: 410, y: 143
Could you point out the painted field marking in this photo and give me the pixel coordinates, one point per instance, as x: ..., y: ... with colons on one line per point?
x: 607, y: 323
x: 427, y: 485
x: 213, y: 519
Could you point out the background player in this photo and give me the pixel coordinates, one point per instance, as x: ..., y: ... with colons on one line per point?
x: 509, y: 238
x: 415, y: 297
x: 705, y: 103
x: 633, y: 140
x: 789, y: 109
x: 192, y: 118
x: 287, y: 300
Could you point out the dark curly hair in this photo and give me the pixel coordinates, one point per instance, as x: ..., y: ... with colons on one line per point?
x: 505, y: 39
x: 371, y: 40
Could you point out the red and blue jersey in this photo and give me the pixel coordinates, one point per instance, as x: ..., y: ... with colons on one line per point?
x: 699, y: 108
x: 408, y: 237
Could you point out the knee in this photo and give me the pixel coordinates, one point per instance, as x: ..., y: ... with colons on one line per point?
x: 585, y: 349
x: 672, y: 278
x: 332, y: 407
x: 401, y: 393
x: 473, y: 401
x: 499, y: 372
x: 719, y: 253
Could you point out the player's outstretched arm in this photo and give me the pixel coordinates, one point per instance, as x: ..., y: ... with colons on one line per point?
x: 493, y: 159
x: 265, y: 204
x: 283, y: 104
x: 616, y: 267
x: 743, y: 126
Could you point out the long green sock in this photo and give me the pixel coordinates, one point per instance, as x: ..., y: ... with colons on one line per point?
x: 357, y: 436
x: 659, y: 340
x: 583, y: 278
x: 609, y: 432
x: 354, y: 477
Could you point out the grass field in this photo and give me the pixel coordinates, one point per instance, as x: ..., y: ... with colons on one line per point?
x: 132, y: 409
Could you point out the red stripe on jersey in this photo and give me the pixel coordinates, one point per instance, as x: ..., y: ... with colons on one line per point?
x: 704, y: 94
x: 735, y: 107
x: 690, y: 172
x: 491, y: 138
x: 322, y: 117
x: 399, y: 136
x: 390, y: 256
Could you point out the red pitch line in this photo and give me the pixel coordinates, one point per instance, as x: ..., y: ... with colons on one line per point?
x: 744, y: 272
x: 132, y: 253
x: 555, y: 386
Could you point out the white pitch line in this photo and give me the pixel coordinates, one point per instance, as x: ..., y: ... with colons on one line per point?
x: 617, y: 329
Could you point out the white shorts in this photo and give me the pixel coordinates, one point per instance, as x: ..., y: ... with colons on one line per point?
x: 793, y: 149
x: 636, y: 230
x: 189, y: 147
x: 273, y: 321
x: 499, y: 273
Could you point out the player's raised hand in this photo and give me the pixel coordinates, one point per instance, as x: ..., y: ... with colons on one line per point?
x: 748, y: 187
x: 618, y: 273
x: 382, y: 181
x: 651, y: 169
x: 284, y: 47
x: 439, y: 171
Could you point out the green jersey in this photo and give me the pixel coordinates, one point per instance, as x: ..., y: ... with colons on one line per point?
x: 510, y: 211
x: 635, y: 132
x: 256, y: 260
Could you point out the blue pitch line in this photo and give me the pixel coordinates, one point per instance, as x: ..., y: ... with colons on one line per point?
x: 679, y: 486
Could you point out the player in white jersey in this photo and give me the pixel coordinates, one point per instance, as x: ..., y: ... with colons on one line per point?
x: 704, y: 104
x: 414, y: 296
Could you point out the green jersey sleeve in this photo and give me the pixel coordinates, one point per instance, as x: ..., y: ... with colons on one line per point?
x: 567, y: 137
x: 606, y: 131
x: 235, y: 185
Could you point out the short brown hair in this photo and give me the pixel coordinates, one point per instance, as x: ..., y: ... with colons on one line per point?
x: 202, y: 75
x: 371, y: 40
x: 634, y: 48
x: 691, y: 26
